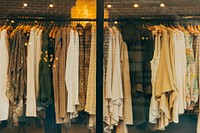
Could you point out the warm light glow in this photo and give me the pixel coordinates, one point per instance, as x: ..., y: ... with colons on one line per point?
x: 25, y: 4
x: 162, y: 4
x: 109, y: 5
x: 12, y: 21
x: 115, y: 22
x: 51, y: 5
x: 136, y: 5
x: 86, y: 9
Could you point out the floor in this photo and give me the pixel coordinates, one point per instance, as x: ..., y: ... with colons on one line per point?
x: 187, y: 124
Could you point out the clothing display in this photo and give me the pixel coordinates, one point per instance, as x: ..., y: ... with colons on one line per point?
x: 174, y: 81
x: 43, y: 70
x: 117, y: 89
x: 150, y: 75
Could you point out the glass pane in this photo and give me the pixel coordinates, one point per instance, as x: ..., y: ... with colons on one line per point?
x: 51, y: 64
x: 151, y: 69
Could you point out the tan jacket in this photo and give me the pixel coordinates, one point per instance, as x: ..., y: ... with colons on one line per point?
x: 56, y: 80
x: 127, y: 109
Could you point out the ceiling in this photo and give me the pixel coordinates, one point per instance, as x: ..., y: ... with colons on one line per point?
x: 120, y: 8
x: 124, y: 8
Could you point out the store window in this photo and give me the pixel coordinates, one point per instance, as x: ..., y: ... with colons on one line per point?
x: 151, y: 67
x: 57, y: 69
x: 48, y: 73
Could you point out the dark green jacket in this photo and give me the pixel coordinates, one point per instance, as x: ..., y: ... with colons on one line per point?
x: 45, y: 71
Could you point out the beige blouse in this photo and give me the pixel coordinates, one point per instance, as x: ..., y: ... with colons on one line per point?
x: 127, y: 109
x: 91, y: 87
x: 165, y: 89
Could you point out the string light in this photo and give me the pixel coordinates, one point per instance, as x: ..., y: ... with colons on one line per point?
x: 12, y: 21
x: 162, y: 4
x: 51, y: 5
x: 136, y: 5
x: 109, y: 5
x: 25, y: 4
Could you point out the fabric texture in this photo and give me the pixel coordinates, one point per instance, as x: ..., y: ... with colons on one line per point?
x: 31, y: 95
x: 71, y: 75
x: 16, y: 85
x: 82, y: 90
x: 192, y: 86
x: 56, y: 79
x: 4, y: 101
x: 91, y: 85
x: 45, y: 73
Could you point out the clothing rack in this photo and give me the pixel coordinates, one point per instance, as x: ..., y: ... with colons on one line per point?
x: 165, y: 18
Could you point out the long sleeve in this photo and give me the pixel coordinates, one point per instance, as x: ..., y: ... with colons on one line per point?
x: 91, y: 86
x: 71, y: 75
x: 107, y: 75
x: 45, y: 74
x: 4, y: 102
x: 116, y: 105
x: 31, y: 98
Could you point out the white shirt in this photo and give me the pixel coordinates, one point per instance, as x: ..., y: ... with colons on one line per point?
x: 108, y: 85
x: 4, y: 59
x: 31, y: 99
x: 71, y: 75
x: 116, y: 104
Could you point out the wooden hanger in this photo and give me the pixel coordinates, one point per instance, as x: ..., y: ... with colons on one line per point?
x: 13, y: 32
x: 179, y: 27
x: 190, y: 29
x: 54, y: 32
x: 196, y: 29
x: 171, y: 26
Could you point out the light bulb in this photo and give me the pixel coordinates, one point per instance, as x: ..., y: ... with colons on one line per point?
x: 51, y: 5
x: 136, y: 5
x: 12, y: 21
x: 109, y: 5
x: 25, y: 4
x: 115, y: 22
x: 162, y: 4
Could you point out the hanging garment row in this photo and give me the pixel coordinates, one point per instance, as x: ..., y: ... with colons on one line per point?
x: 165, y: 62
x: 127, y: 72
x: 45, y: 67
x: 57, y: 66
x: 151, y: 74
x: 176, y: 85
x: 117, y: 89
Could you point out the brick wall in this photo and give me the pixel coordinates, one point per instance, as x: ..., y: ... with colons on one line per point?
x: 35, y: 7
x: 120, y: 8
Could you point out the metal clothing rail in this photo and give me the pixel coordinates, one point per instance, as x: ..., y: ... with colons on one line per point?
x: 133, y: 18
x: 41, y: 18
